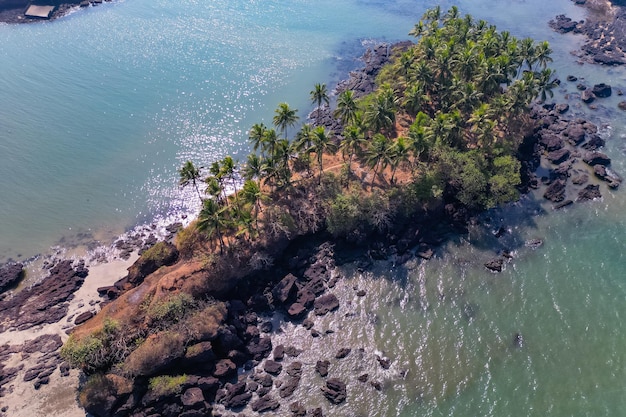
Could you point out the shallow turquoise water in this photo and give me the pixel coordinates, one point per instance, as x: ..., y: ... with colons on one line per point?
x: 100, y: 108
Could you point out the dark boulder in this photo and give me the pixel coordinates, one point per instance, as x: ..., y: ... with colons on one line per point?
x: 622, y: 105
x: 555, y: 191
x: 321, y: 367
x: 296, y: 310
x: 558, y: 156
x: 342, y: 353
x: 297, y: 409
x: 563, y: 24
x: 288, y: 387
x: 590, y: 192
x: 224, y: 368
x: 601, y: 90
x: 587, y: 96
x: 335, y: 391
x: 273, y: 368
x: 549, y: 141
x: 562, y: 108
x: 325, y: 304
x: 563, y: 204
x: 594, y: 143
x: 260, y: 348
x: 265, y: 404
x: 286, y: 289
x: 10, y: 275
x: 596, y: 158
x: 575, y: 134
x: 81, y: 318
x: 192, y: 398
x: 495, y: 265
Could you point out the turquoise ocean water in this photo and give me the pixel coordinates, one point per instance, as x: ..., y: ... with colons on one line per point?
x: 99, y: 109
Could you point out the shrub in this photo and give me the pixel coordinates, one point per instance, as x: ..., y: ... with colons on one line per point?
x: 155, y: 354
x: 188, y: 239
x: 172, y: 309
x: 82, y: 353
x: 102, y: 348
x: 167, y: 385
x: 94, y: 394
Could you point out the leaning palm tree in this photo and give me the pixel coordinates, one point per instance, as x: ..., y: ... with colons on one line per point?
x: 351, y: 144
x: 378, y: 154
x: 285, y: 117
x: 321, y: 143
x: 189, y: 173
x: 542, y: 54
x: 257, y: 132
x: 319, y: 94
x: 253, y: 167
x: 252, y: 194
x: 346, y: 107
x: 212, y: 219
x: 399, y: 155
x: 228, y: 170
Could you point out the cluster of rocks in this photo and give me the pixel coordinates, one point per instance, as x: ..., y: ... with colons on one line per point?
x: 44, y: 352
x: 45, y: 302
x: 606, y: 36
x: 564, y: 143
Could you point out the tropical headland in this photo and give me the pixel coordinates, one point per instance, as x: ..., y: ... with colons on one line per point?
x: 425, y: 137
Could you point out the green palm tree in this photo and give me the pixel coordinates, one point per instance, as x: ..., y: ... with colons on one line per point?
x: 216, y: 170
x: 545, y: 83
x: 321, y: 143
x: 257, y: 132
x: 213, y: 188
x: 252, y: 194
x: 212, y: 219
x: 542, y: 54
x: 269, y: 141
x: 228, y: 170
x: 351, y: 144
x: 380, y: 115
x: 346, y: 107
x: 189, y: 174
x: 378, y: 154
x: 253, y: 167
x: 284, y: 117
x: 399, y: 154
x: 319, y: 95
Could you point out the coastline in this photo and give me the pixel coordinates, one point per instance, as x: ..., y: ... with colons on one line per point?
x: 57, y: 396
x: 30, y: 391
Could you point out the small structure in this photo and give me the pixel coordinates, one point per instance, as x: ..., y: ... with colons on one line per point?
x: 39, y: 11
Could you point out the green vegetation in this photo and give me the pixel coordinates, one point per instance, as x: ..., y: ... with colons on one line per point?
x: 98, y: 350
x: 171, y: 310
x: 167, y: 385
x: 443, y: 125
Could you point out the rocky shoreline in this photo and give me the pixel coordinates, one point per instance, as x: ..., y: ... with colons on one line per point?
x: 605, y: 29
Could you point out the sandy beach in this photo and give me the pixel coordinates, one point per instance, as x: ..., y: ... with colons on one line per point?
x: 58, y: 397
